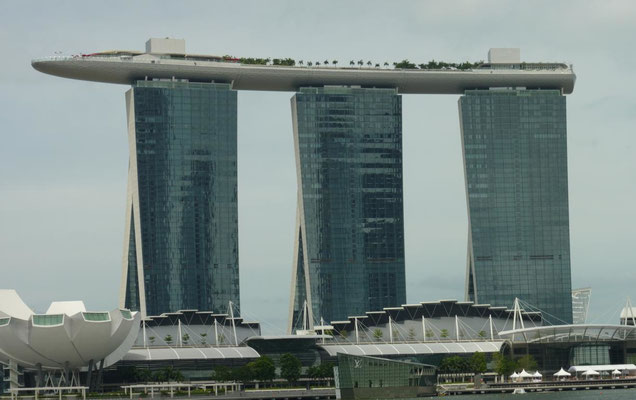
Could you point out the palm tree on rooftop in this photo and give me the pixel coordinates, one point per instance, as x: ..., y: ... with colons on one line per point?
x: 301, y: 62
x: 360, y: 62
x: 352, y: 63
x: 334, y: 62
x: 369, y: 63
x: 326, y: 62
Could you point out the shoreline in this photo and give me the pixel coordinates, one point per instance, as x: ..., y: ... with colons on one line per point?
x: 549, y: 386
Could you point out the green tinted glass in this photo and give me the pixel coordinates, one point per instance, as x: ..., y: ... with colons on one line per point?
x: 48, y: 320
x: 96, y: 316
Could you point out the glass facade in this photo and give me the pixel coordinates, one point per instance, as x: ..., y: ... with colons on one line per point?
x: 375, y: 378
x: 515, y: 159
x: 591, y: 354
x: 182, y: 242
x: 48, y: 319
x: 350, y: 235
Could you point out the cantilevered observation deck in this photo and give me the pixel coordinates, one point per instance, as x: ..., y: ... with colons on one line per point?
x: 125, y: 67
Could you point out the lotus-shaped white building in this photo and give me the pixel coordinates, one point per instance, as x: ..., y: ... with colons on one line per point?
x: 67, y: 337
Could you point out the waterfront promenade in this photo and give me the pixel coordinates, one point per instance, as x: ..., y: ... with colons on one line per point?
x: 549, y: 386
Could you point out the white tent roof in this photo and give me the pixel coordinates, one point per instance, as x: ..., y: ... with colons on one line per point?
x: 616, y: 372
x: 514, y: 375
x: 525, y: 374
x: 537, y: 375
x: 562, y: 372
x: 590, y: 372
x: 583, y: 368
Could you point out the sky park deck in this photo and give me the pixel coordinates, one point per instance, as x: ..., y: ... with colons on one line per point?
x: 125, y: 67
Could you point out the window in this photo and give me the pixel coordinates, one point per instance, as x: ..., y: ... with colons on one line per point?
x: 48, y: 320
x: 96, y: 316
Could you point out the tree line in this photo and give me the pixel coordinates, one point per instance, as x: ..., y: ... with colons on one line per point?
x: 477, y: 364
x: 404, y: 64
x: 263, y: 369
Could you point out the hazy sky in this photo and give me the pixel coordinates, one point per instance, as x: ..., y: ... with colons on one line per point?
x: 64, y: 151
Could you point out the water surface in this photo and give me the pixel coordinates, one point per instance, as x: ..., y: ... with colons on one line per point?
x: 612, y: 394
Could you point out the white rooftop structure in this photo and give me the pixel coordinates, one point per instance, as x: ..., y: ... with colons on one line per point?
x: 504, y: 56
x: 66, y: 337
x: 11, y: 305
x: 66, y: 307
x: 165, y: 46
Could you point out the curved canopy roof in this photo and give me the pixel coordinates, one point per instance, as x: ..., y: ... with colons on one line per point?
x: 570, y: 333
x: 190, y: 353
x: 384, y: 349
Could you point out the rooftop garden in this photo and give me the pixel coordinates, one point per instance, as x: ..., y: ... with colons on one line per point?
x: 404, y: 64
